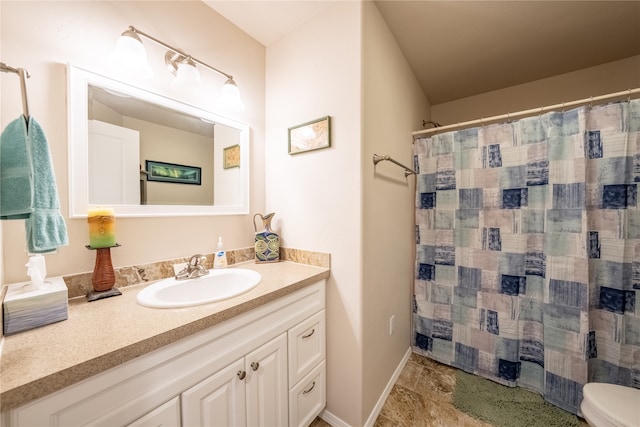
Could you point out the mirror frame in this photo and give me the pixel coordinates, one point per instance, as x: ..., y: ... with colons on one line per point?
x: 78, y: 81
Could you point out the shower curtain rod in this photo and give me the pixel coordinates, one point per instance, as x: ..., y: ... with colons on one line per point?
x: 530, y: 112
x: 24, y: 75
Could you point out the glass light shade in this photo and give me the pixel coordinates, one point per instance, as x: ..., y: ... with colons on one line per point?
x: 130, y: 55
x: 230, y: 97
x: 187, y: 74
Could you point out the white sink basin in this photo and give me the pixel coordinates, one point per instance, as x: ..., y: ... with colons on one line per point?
x: 216, y: 286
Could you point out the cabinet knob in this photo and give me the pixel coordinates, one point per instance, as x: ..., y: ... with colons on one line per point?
x: 309, y: 334
x: 242, y: 374
x: 255, y: 366
x: 309, y: 389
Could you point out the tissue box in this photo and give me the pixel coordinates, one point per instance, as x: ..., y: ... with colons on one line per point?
x: 26, y: 308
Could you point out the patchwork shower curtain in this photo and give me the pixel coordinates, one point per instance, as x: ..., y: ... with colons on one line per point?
x: 528, y: 250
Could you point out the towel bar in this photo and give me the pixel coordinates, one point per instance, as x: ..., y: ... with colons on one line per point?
x: 407, y: 171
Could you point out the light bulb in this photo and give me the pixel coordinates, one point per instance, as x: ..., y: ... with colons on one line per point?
x: 187, y: 74
x: 130, y: 55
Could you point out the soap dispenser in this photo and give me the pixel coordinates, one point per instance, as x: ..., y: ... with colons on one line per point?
x: 220, y: 260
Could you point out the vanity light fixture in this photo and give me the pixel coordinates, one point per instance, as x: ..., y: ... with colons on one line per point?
x: 131, y: 55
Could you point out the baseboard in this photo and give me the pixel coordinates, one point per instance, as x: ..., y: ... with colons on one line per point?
x: 332, y: 419
x: 387, y: 390
x: 337, y: 422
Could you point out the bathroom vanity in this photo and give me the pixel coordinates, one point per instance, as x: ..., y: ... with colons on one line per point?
x: 255, y: 359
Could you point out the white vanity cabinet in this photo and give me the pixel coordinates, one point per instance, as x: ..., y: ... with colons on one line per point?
x: 250, y: 392
x: 264, y: 367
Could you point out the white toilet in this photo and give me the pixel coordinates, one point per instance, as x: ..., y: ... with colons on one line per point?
x: 610, y: 405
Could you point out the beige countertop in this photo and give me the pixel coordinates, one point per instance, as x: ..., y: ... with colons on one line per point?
x: 105, y: 333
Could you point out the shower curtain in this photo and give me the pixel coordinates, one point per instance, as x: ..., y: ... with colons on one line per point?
x: 528, y: 250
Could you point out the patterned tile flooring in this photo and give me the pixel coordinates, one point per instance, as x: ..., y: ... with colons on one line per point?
x: 422, y: 397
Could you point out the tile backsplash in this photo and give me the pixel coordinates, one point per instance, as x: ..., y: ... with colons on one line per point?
x: 80, y: 284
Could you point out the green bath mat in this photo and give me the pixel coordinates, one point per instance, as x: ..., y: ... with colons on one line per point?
x: 506, y: 406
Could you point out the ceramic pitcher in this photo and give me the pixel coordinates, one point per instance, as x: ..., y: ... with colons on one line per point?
x: 267, y: 243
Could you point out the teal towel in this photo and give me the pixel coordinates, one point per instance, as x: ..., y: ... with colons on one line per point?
x: 46, y: 229
x: 45, y: 226
x: 16, y: 176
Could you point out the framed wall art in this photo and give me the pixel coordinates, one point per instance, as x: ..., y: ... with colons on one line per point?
x: 310, y: 136
x: 231, y: 157
x: 171, y: 172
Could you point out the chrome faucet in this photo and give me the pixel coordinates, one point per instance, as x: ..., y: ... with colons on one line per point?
x: 195, y: 268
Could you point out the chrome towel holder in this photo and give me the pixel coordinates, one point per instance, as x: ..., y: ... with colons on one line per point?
x: 24, y: 75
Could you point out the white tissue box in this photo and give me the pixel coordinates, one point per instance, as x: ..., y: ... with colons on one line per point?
x: 26, y: 308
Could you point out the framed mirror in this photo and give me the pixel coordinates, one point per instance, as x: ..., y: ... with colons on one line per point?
x: 148, y: 155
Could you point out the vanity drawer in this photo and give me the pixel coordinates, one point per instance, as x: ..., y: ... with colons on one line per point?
x: 308, y: 398
x: 306, y: 346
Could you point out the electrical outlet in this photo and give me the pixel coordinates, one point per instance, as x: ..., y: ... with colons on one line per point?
x: 177, y: 268
x: 392, y: 320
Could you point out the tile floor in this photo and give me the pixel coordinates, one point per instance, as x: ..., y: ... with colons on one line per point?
x: 422, y: 398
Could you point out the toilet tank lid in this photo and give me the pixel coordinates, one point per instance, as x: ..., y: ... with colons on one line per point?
x: 616, y: 402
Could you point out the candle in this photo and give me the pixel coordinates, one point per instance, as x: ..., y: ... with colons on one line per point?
x: 102, y: 228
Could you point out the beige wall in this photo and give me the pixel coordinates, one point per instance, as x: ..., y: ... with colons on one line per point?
x: 600, y: 80
x: 43, y: 36
x: 314, y: 72
x: 393, y: 106
x: 331, y: 200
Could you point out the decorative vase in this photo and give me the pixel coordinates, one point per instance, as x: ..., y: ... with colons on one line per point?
x: 267, y: 243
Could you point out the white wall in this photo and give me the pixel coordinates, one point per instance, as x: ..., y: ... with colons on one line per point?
x: 394, y: 106
x: 43, y: 36
x: 594, y: 81
x: 346, y: 64
x: 313, y: 72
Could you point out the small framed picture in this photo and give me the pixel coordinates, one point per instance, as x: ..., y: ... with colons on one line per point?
x: 171, y: 172
x: 310, y: 136
x: 231, y: 157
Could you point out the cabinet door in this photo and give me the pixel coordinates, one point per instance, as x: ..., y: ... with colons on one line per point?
x: 217, y: 401
x: 267, y: 400
x: 167, y: 415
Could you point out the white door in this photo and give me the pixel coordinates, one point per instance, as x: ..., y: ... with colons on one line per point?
x: 267, y: 397
x: 218, y: 401
x: 114, y: 162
